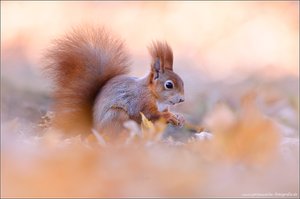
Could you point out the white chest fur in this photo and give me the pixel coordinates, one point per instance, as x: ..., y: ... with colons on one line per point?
x: 162, y: 106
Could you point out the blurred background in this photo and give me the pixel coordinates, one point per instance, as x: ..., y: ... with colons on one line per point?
x: 212, y: 41
x: 222, y: 50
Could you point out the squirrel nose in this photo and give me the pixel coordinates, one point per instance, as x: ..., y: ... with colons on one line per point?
x: 181, y: 100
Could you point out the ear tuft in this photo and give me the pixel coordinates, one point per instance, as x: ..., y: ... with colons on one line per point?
x: 161, y: 51
x: 157, y: 67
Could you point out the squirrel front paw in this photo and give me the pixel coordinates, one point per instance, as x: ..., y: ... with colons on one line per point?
x: 174, y: 119
x: 180, y: 119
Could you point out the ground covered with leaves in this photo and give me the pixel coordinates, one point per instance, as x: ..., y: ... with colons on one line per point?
x: 249, y: 147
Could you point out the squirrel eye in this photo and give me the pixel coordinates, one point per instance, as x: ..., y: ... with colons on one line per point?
x: 169, y: 84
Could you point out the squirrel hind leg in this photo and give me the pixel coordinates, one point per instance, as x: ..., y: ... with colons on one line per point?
x: 111, y: 125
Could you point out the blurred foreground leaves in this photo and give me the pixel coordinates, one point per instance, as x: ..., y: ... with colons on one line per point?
x: 253, y: 148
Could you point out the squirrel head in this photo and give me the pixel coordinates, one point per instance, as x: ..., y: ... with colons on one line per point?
x: 165, y: 84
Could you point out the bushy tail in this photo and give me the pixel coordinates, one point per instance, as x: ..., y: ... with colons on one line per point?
x: 80, y: 63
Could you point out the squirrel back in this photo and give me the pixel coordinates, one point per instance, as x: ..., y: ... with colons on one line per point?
x: 80, y: 64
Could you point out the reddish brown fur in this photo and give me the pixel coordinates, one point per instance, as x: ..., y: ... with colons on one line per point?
x: 164, y: 53
x: 89, y: 66
x: 80, y: 64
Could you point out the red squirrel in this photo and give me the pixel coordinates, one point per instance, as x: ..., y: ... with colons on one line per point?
x: 90, y: 68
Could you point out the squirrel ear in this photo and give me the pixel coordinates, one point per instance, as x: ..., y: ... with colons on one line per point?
x: 156, y: 68
x: 162, y: 56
